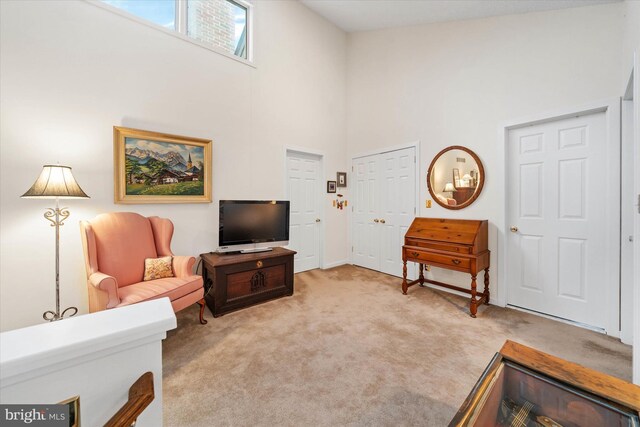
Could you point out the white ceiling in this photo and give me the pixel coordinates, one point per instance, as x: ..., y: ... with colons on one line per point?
x: 365, y: 15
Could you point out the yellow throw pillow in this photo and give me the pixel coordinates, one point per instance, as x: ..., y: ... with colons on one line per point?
x: 157, y: 268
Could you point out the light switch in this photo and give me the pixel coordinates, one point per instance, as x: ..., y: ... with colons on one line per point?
x: 428, y: 203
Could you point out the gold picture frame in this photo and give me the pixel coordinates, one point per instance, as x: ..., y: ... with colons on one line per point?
x: 154, y: 167
x: 74, y: 410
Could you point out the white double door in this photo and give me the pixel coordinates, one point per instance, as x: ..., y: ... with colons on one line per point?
x: 384, y: 205
x: 557, y: 201
x: 304, y: 189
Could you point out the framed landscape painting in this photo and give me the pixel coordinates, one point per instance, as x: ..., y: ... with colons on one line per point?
x: 152, y: 167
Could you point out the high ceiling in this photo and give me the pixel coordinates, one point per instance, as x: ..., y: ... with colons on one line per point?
x: 365, y: 15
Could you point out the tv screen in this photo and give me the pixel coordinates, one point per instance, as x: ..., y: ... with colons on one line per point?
x: 253, y: 221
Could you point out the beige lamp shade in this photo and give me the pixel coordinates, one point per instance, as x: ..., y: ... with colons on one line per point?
x: 449, y: 187
x: 55, y: 181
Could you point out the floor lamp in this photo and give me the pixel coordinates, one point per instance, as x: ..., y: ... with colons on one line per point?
x: 56, y: 182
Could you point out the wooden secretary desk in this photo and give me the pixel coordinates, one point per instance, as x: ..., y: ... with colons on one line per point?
x: 454, y: 244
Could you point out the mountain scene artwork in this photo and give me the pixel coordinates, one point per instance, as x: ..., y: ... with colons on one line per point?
x: 163, y: 168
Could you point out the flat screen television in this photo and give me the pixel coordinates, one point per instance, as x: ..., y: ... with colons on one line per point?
x: 253, y: 225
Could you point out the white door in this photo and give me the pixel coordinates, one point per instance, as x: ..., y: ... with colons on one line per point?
x: 556, y: 180
x: 636, y: 239
x: 383, y: 208
x: 304, y: 191
x: 365, y: 205
x: 627, y: 213
x: 397, y: 206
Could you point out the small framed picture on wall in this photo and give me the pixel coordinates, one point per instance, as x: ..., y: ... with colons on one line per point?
x: 331, y: 186
x: 342, y: 179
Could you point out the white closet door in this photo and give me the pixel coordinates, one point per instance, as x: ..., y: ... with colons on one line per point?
x: 365, y: 232
x: 557, y: 212
x: 303, y: 179
x: 383, y: 208
x: 397, y: 207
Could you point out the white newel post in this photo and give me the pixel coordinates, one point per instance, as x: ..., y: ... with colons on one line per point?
x: 97, y: 356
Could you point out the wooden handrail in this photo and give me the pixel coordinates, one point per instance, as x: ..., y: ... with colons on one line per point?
x: 140, y: 396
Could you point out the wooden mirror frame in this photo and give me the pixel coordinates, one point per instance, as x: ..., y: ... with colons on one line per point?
x: 480, y: 171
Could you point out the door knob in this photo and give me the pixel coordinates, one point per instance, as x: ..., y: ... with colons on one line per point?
x: 383, y: 221
x: 376, y: 220
x: 514, y: 229
x: 317, y: 219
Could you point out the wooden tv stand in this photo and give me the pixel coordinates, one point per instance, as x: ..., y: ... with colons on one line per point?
x: 237, y: 281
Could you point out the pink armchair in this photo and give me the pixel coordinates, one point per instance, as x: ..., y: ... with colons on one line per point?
x: 115, y: 247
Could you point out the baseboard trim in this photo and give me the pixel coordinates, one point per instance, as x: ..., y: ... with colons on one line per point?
x: 626, y: 337
x: 335, y: 264
x: 567, y: 321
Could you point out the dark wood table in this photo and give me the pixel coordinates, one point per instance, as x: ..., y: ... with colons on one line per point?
x: 236, y: 281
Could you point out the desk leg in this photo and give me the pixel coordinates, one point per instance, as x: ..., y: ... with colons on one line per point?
x: 486, y: 284
x: 404, y: 277
x: 202, y: 319
x: 473, y: 306
x: 421, y: 274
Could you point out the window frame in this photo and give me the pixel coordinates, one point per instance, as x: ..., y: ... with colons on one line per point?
x: 180, y: 30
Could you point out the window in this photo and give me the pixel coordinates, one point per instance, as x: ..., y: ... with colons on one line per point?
x: 217, y: 24
x: 220, y: 23
x: 161, y: 12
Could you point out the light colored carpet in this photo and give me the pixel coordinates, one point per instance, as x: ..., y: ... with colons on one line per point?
x: 349, y: 349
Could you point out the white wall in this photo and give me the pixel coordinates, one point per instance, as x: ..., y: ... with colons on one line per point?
x: 631, y: 39
x: 455, y: 83
x: 71, y: 70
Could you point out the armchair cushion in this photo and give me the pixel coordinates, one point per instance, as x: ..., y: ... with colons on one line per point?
x: 106, y: 284
x: 157, y: 268
x: 172, y: 287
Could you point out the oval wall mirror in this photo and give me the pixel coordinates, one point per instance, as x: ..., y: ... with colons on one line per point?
x: 455, y: 177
